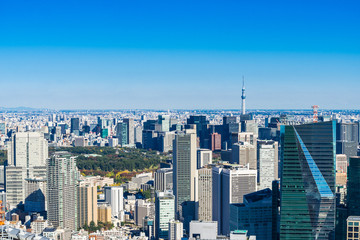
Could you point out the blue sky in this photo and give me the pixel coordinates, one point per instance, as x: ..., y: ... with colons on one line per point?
x: 179, y: 54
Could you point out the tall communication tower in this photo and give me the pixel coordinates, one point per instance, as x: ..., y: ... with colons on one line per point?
x: 243, y: 97
x: 315, y: 113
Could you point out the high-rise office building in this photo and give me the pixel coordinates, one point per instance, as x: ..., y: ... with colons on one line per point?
x: 27, y: 149
x: 27, y: 154
x: 353, y: 190
x: 204, y: 157
x: 341, y: 163
x: 347, y: 138
x: 62, y: 183
x: 267, y: 163
x: 308, y: 181
x: 138, y: 134
x: 104, y: 213
x: 164, y: 213
x: 215, y: 142
x: 201, y: 129
x: 204, y: 195
x: 130, y: 131
x: 165, y: 141
x: 184, y: 169
x: 163, y: 179
x: 248, y: 137
x: 176, y: 230
x: 230, y: 184
x: 143, y: 209
x: 254, y: 214
x: 164, y: 121
x: 87, y: 204
x: 203, y: 230
x: 35, y: 192
x: 2, y: 128
x: 122, y: 133
x: 115, y: 197
x: 243, y: 154
x: 353, y: 228
x: 75, y: 125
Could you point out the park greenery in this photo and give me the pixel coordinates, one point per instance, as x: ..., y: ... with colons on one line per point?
x: 118, y: 163
x: 3, y: 156
x: 93, y: 228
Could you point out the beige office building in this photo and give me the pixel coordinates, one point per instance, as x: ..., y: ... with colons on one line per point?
x: 104, y: 213
x: 87, y: 204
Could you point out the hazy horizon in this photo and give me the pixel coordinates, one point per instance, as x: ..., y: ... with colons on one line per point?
x: 186, y: 55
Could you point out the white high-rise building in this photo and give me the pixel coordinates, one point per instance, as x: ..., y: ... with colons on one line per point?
x: 184, y: 169
x: 27, y: 149
x: 267, y: 163
x: 204, y: 196
x: 204, y: 157
x: 115, y: 197
x: 203, y: 230
x: 27, y: 154
x: 176, y: 231
x: 230, y: 184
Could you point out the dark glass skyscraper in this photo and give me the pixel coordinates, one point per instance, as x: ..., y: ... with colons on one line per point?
x: 308, y: 181
x: 75, y: 124
x: 353, y: 188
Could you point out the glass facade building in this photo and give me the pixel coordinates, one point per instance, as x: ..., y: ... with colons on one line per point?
x: 308, y: 181
x: 353, y: 189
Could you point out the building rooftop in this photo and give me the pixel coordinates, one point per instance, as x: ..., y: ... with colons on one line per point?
x: 258, y: 196
x: 354, y: 218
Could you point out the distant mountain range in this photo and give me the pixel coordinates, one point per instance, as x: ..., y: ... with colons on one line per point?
x: 21, y: 109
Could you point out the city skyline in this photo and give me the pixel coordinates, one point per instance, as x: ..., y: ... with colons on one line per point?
x: 117, y: 55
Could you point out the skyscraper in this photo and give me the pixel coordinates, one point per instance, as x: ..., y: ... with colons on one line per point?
x: 87, y: 204
x: 130, y: 131
x: 164, y: 121
x: 353, y: 190
x: 347, y: 138
x: 184, y: 173
x: 204, y: 157
x: 115, y: 197
x: 163, y: 179
x: 62, y: 186
x: 75, y: 125
x: 164, y: 213
x: 176, y: 231
x: 308, y: 181
x: 267, y: 163
x: 201, y: 129
x: 254, y: 214
x: 122, y: 133
x: 27, y: 154
x: 230, y: 184
x: 204, y: 195
x: 244, y: 153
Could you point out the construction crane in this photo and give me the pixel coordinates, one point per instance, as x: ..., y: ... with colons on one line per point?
x: 315, y: 113
x: 2, y: 214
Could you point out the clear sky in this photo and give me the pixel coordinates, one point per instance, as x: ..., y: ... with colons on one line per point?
x: 114, y: 54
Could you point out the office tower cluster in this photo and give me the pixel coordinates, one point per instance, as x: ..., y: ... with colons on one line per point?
x: 222, y: 175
